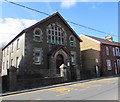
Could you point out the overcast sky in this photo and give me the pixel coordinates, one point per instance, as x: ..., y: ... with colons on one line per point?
x: 98, y: 15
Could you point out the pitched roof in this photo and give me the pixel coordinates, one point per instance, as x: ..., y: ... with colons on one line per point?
x: 49, y: 17
x: 104, y: 41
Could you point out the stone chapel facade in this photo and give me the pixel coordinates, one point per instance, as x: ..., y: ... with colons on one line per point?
x: 43, y: 48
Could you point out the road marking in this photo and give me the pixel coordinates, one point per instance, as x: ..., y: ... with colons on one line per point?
x: 78, y: 84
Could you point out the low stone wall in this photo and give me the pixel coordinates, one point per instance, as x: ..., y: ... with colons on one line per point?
x: 37, y: 82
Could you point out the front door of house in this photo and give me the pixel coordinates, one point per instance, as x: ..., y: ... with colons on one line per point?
x: 59, y: 62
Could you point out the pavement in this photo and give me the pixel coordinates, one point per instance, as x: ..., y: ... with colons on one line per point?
x: 52, y: 86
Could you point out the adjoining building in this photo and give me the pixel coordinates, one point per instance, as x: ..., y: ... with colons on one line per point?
x: 42, y: 48
x: 100, y: 57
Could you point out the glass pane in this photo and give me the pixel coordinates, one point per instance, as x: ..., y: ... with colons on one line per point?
x: 59, y: 33
x: 37, y: 54
x: 71, y: 39
x: 49, y: 38
x: 62, y: 34
x: 56, y: 33
x: 53, y: 32
x: 56, y: 39
x: 62, y: 40
x: 72, y: 43
x: 37, y: 32
x: 37, y: 38
x: 52, y: 39
x: 55, y: 28
x: 49, y: 31
x: 52, y: 28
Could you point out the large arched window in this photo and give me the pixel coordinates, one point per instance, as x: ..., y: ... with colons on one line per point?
x: 37, y: 34
x: 72, y: 41
x: 56, y: 34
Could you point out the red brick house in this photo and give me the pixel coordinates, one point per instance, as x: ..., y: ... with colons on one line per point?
x: 104, y: 53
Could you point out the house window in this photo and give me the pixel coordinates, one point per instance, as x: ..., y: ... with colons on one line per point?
x: 37, y: 56
x: 17, y: 62
x: 56, y: 34
x: 11, y: 62
x: 72, y: 41
x: 73, y: 58
x: 37, y: 34
x: 109, y: 65
x: 107, y: 50
x: 12, y: 47
x: 7, y: 50
x: 117, y: 51
x: 113, y: 51
x: 3, y: 65
x: 18, y: 44
x: 7, y: 67
x: 4, y: 53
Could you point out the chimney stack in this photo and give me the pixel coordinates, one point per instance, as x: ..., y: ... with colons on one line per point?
x: 109, y: 38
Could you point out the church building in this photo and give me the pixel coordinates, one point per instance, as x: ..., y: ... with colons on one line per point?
x: 44, y: 49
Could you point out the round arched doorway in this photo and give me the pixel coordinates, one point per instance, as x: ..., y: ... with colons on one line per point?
x: 59, y: 62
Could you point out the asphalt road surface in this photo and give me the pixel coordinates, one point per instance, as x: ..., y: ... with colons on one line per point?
x: 102, y: 89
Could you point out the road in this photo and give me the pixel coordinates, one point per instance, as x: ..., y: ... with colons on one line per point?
x: 102, y: 89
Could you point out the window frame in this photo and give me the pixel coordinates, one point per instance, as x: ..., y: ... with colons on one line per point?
x: 40, y: 56
x: 113, y: 50
x: 73, y: 58
x: 56, y: 34
x: 72, y: 42
x: 12, y: 49
x: 107, y: 50
x: 7, y: 66
x: 109, y: 64
x: 17, y: 62
x: 18, y: 46
x: 35, y: 35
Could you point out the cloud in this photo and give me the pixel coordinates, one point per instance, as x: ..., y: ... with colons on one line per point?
x: 68, y: 3
x: 10, y: 27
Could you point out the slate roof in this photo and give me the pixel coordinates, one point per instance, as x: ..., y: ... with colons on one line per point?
x: 104, y: 41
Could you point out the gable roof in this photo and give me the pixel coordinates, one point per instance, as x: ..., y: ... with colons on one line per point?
x: 104, y: 41
x: 49, y: 17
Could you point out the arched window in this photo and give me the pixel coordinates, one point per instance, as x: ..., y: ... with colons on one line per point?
x: 72, y: 41
x: 56, y: 34
x: 37, y: 34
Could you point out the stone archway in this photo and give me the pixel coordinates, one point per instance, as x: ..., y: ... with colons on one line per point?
x: 59, y: 62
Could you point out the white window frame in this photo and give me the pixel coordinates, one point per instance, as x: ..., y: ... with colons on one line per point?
x: 73, y: 58
x: 18, y: 46
x: 72, y: 43
x: 11, y: 62
x: 117, y: 51
x: 3, y: 65
x: 39, y: 58
x: 12, y: 49
x: 113, y: 49
x: 107, y: 50
x: 7, y: 50
x: 7, y: 66
x: 56, y: 34
x: 35, y: 35
x: 109, y: 64
x: 17, y: 62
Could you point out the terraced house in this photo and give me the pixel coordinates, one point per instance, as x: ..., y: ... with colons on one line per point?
x: 42, y: 48
x: 100, y: 57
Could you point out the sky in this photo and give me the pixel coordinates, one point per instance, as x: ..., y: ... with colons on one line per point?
x: 102, y: 16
